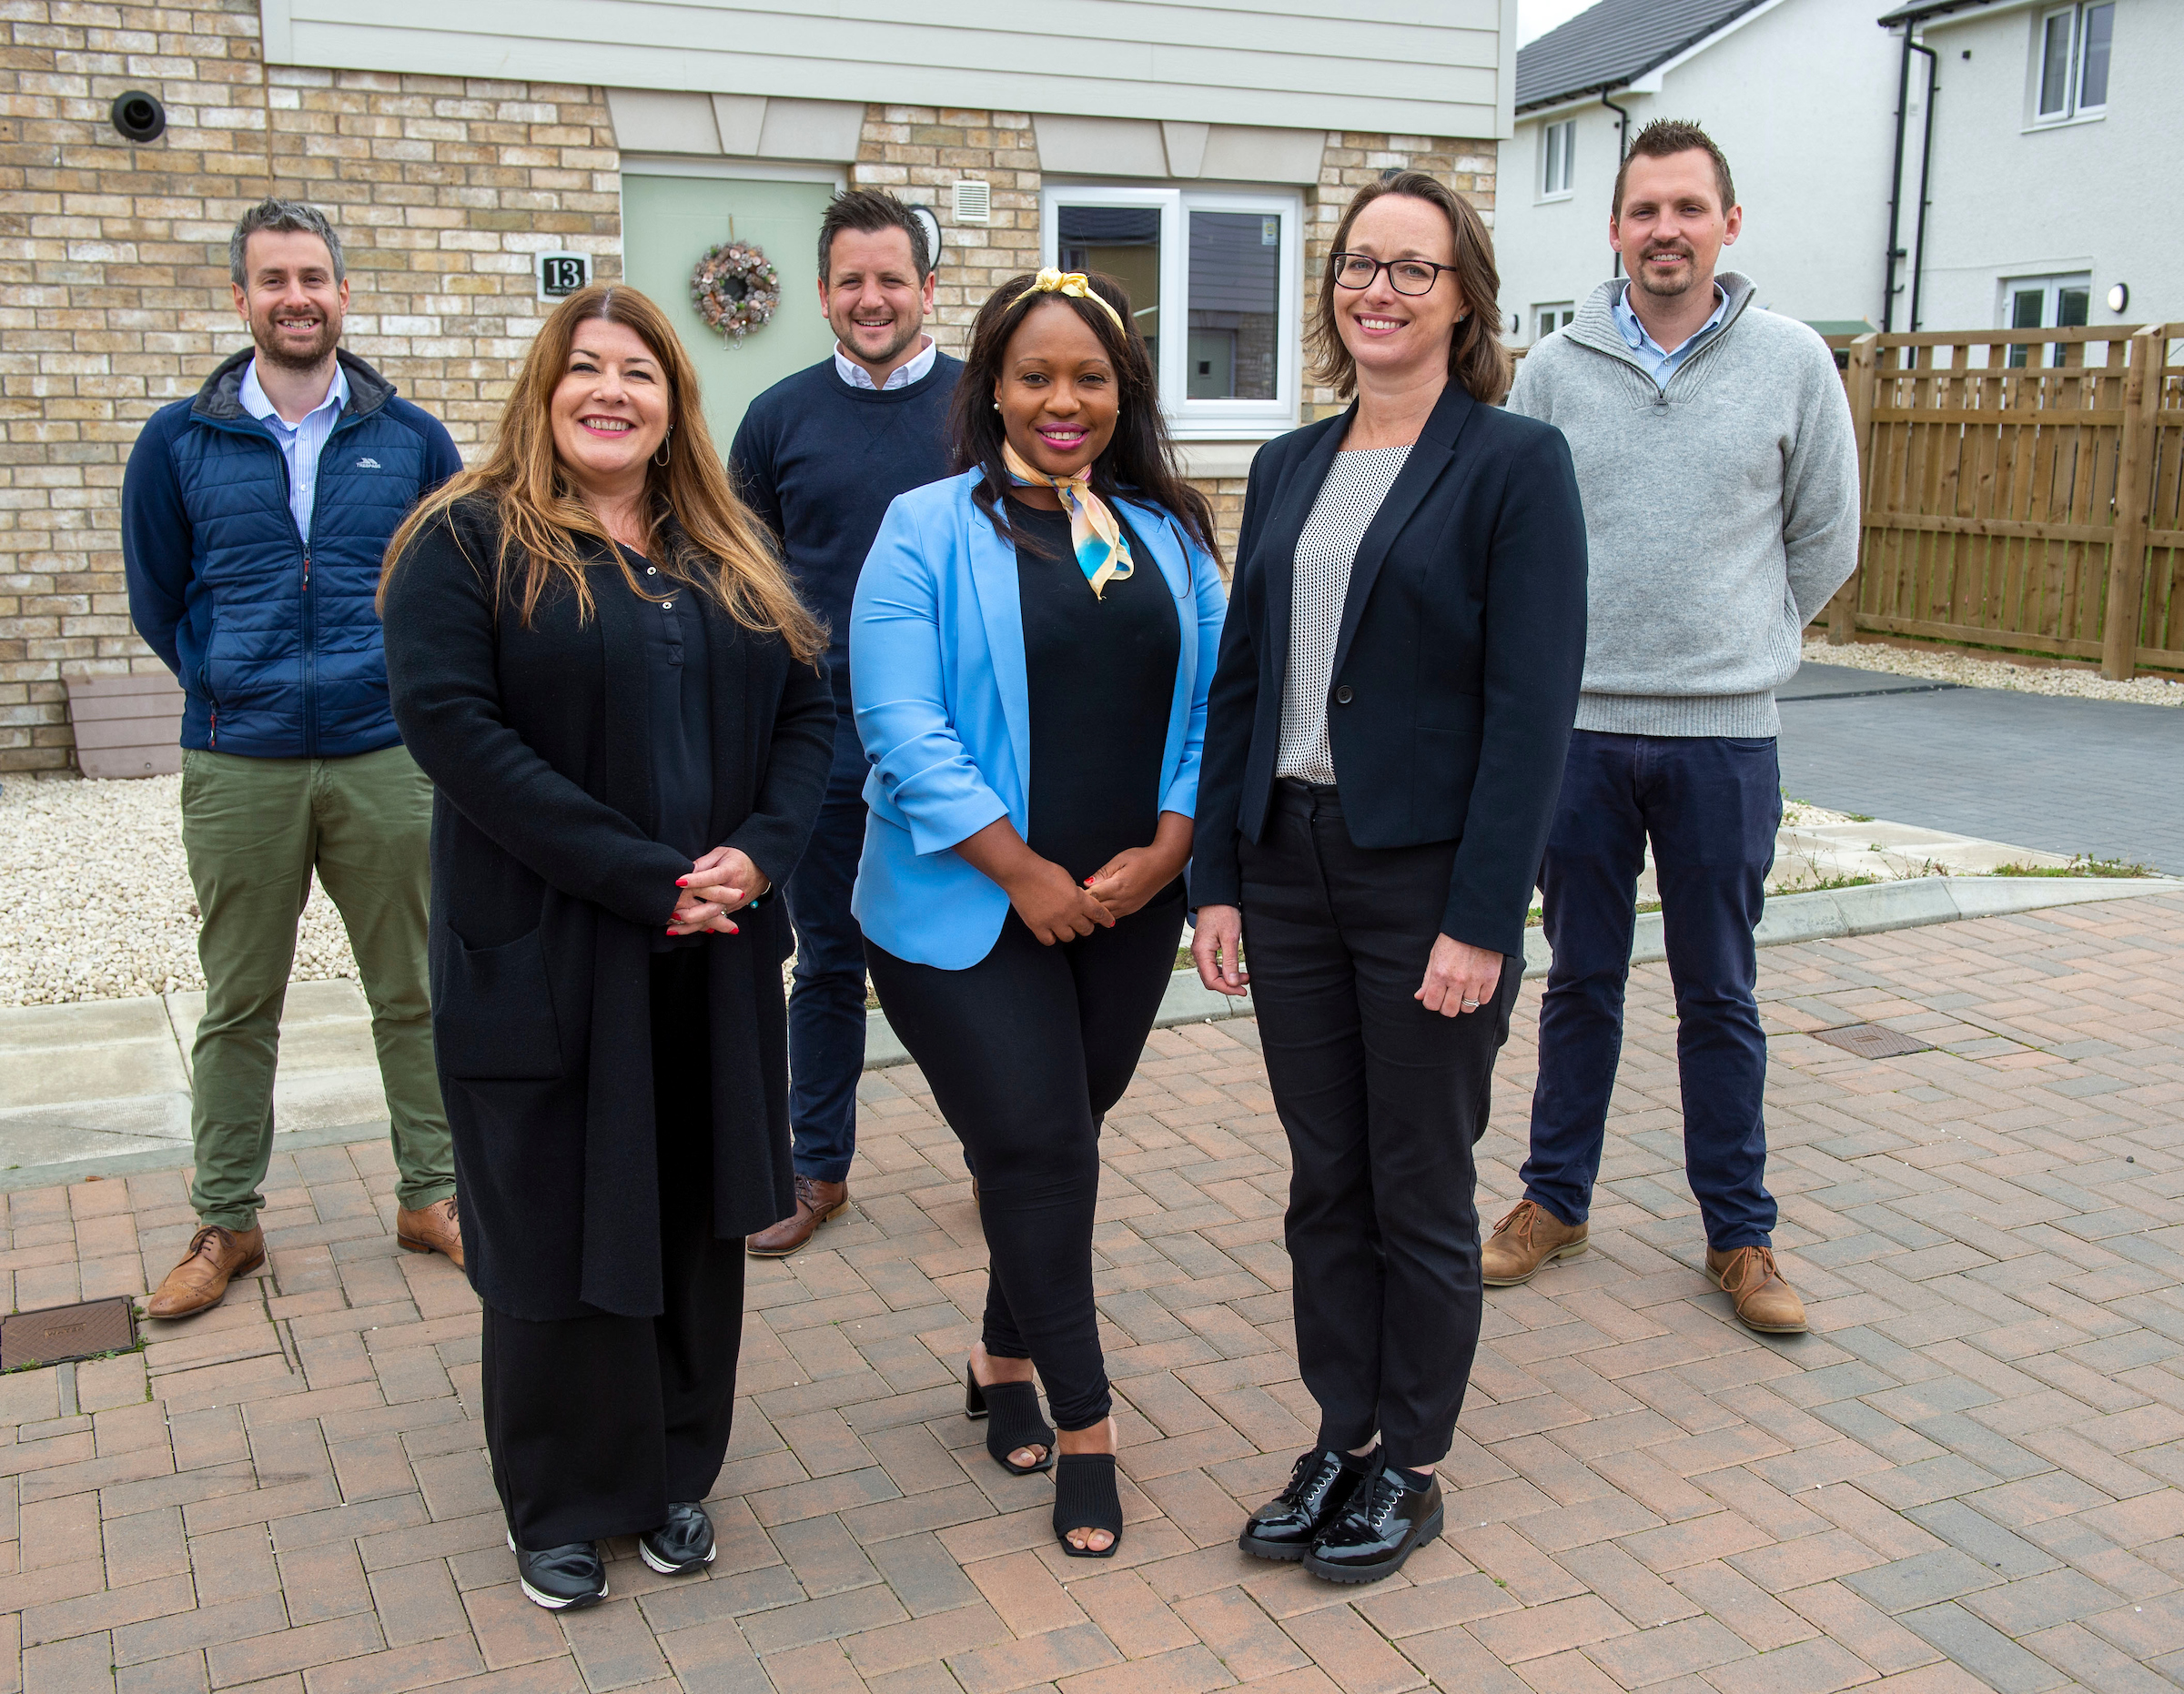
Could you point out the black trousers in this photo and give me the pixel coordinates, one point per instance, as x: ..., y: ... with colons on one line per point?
x: 597, y: 1423
x: 1382, y: 1100
x: 1026, y: 1051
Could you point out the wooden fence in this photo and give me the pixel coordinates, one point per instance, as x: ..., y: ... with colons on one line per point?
x: 2021, y: 488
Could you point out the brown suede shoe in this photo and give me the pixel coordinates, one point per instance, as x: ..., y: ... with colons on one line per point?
x: 815, y: 1203
x: 1529, y: 1237
x: 215, y: 1258
x: 1762, y: 1300
x: 435, y: 1229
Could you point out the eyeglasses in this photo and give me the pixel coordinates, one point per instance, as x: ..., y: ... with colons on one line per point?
x: 1405, y: 276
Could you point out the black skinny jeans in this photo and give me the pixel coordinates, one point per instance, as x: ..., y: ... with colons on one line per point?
x: 1382, y: 1100
x: 1026, y: 1051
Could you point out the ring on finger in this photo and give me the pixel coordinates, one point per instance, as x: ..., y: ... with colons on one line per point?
x: 1470, y: 1005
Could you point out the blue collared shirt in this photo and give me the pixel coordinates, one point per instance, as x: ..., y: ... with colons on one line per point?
x: 300, y: 442
x: 1658, y: 362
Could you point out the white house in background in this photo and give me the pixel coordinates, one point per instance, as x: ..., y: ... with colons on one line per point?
x: 1800, y: 94
x: 2055, y: 191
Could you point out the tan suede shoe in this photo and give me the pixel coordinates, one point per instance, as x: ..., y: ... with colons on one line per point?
x: 217, y: 1256
x: 815, y: 1203
x: 1756, y: 1292
x: 435, y: 1229
x: 1524, y: 1241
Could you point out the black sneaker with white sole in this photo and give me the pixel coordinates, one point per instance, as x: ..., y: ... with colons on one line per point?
x: 680, y: 1545
x: 561, y: 1578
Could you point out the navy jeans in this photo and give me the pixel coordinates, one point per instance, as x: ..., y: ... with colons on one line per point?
x: 1711, y: 805
x: 826, y: 993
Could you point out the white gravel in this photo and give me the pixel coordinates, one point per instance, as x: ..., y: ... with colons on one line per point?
x: 1977, y: 672
x: 94, y: 898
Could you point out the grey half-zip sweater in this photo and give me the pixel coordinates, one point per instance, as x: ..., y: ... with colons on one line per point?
x: 1721, y: 511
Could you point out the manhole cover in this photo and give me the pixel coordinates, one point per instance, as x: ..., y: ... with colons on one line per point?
x: 61, y: 1332
x: 1873, y: 1041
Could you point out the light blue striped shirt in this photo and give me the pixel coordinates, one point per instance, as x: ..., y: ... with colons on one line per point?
x: 301, y: 443
x: 1658, y: 362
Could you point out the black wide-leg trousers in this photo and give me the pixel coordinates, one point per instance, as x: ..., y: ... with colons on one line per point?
x: 1382, y: 1100
x: 1026, y: 1051
x: 597, y: 1423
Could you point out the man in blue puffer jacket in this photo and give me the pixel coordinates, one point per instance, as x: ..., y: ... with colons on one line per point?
x: 253, y: 519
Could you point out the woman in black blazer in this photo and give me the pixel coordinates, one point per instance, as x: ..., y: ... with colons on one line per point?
x: 598, y: 662
x: 1384, y: 744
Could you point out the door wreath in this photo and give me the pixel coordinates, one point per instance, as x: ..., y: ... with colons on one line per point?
x: 735, y: 288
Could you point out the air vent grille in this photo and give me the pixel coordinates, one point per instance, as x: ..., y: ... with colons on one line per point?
x: 973, y: 203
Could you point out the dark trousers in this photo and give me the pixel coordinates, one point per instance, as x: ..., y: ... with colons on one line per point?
x: 1710, y: 805
x: 1382, y: 1100
x: 826, y: 996
x: 597, y: 1423
x: 1026, y: 1051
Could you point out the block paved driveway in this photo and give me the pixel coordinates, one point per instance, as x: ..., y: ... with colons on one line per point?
x: 2052, y: 772
x: 1966, y: 1478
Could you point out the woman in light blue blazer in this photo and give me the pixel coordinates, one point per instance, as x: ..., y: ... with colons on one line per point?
x: 1030, y: 653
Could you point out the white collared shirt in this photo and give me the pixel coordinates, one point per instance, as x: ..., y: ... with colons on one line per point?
x: 300, y: 442
x: 901, y: 376
x: 1661, y: 363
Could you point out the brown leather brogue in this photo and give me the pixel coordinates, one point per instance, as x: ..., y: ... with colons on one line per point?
x: 1756, y: 1292
x: 815, y: 1203
x: 437, y: 1228
x: 217, y: 1256
x: 1529, y: 1237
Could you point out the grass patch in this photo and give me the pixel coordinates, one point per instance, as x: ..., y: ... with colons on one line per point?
x: 2082, y: 865
x: 1826, y: 884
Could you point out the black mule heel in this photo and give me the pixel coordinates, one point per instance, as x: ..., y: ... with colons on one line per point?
x: 1012, y: 1413
x: 1086, y: 1498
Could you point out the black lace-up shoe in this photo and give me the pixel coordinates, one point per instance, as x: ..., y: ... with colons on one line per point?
x: 680, y: 1545
x: 1286, y: 1526
x: 561, y: 1578
x: 1384, y: 1524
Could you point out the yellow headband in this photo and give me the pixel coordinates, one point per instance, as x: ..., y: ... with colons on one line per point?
x: 1074, y: 284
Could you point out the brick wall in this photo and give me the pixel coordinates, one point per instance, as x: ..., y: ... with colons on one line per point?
x: 113, y: 263
x: 114, y: 294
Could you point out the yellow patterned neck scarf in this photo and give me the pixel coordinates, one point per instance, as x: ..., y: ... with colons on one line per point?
x: 1095, y: 536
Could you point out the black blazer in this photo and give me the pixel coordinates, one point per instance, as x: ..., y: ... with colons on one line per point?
x: 547, y: 889
x: 1457, y: 662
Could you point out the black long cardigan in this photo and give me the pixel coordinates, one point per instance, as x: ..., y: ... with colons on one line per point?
x: 1457, y: 659
x: 547, y: 889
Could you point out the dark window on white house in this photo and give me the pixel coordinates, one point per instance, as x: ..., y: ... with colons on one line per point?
x: 2075, y: 42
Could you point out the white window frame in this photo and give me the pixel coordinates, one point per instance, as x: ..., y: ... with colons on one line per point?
x: 1558, y: 145
x: 2051, y: 289
x: 1564, y: 311
x: 2073, y: 110
x: 1189, y: 419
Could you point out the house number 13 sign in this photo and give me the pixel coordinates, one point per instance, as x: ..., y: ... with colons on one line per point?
x: 561, y: 275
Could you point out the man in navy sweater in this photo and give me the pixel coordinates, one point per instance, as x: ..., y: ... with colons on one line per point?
x: 253, y: 519
x: 818, y: 456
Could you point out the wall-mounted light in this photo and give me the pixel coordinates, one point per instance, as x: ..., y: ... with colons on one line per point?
x: 2120, y: 297
x: 930, y: 219
x: 138, y: 116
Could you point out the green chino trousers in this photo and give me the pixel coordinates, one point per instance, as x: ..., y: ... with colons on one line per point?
x: 254, y: 831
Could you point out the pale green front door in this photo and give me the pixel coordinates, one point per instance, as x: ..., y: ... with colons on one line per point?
x: 668, y: 222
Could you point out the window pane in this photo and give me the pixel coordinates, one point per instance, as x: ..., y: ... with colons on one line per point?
x: 2070, y: 306
x: 2055, y: 65
x: 2025, y: 308
x: 2093, y: 76
x: 1235, y: 305
x: 1569, y: 151
x: 1551, y: 153
x: 1124, y: 242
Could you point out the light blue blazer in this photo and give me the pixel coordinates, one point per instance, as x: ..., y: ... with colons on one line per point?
x: 943, y: 710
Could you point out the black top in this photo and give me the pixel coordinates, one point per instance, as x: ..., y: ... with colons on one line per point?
x: 549, y: 882
x: 679, y: 710
x: 1456, y: 665
x: 1102, y: 676
x: 818, y: 462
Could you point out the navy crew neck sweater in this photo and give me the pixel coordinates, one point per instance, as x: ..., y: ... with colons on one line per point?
x: 818, y: 462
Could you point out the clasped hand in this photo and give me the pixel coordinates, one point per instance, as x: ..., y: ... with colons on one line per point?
x: 724, y: 881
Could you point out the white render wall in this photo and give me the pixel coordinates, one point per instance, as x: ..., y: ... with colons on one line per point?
x: 2104, y: 197
x: 1801, y: 99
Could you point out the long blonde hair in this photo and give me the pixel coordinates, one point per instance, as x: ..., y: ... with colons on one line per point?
x: 729, y: 554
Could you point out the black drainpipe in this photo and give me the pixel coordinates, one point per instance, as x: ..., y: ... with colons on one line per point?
x: 1623, y: 142
x: 1926, y: 161
x: 1896, y: 191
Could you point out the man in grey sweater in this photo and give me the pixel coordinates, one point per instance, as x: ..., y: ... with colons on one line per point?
x: 1716, y: 458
